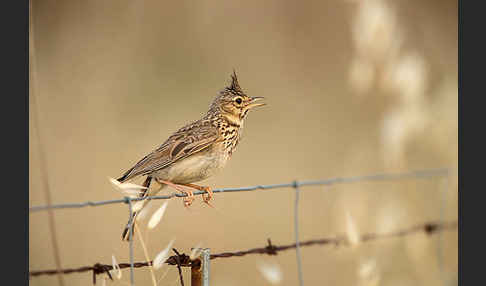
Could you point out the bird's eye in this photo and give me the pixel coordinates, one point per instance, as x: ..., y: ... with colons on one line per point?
x: 238, y: 100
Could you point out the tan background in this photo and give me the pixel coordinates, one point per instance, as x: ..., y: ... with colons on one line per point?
x: 352, y: 89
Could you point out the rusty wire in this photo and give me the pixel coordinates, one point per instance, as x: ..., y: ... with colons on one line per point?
x: 183, y: 260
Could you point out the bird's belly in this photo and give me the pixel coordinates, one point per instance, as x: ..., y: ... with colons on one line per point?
x: 193, y: 169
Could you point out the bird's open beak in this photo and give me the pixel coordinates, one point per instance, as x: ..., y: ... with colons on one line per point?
x: 254, y: 102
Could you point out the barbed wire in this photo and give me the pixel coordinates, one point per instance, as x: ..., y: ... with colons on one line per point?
x: 428, y: 173
x: 183, y: 260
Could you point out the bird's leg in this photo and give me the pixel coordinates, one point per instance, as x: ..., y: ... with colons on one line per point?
x: 190, y: 195
x: 206, y: 189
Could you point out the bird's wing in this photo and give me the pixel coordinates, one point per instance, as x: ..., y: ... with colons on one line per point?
x: 187, y: 141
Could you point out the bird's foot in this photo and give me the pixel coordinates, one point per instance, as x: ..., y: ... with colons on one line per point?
x: 190, y: 195
x: 206, y: 197
x: 189, y: 199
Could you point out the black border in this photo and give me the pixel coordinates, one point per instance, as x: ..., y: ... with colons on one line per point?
x: 15, y: 133
x: 471, y: 71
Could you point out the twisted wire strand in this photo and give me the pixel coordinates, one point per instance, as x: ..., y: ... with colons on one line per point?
x: 418, y: 174
x: 183, y: 260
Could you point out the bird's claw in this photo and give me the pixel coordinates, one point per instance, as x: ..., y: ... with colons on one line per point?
x: 189, y: 199
x: 208, y: 196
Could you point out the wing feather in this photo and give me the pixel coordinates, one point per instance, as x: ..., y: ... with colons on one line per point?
x: 187, y: 141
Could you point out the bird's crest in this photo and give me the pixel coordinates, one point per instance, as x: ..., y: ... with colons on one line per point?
x: 235, y: 86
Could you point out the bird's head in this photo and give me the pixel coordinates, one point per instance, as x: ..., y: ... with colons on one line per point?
x: 233, y: 103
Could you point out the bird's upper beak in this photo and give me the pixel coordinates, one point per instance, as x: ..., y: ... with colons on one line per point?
x: 255, y: 102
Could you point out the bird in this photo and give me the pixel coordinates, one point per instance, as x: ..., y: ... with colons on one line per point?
x: 197, y: 150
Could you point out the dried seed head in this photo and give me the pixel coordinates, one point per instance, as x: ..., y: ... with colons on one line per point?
x: 369, y: 273
x: 157, y: 216
x: 144, y: 212
x: 367, y: 268
x: 128, y: 189
x: 116, y: 268
x: 351, y: 231
x: 162, y: 256
x: 270, y: 271
x: 196, y: 251
x: 137, y: 206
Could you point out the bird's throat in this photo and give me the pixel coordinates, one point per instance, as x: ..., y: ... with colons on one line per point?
x: 233, y: 120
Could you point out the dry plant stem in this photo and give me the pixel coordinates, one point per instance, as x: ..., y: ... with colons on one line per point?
x: 145, y: 252
x: 163, y: 275
x: 43, y: 167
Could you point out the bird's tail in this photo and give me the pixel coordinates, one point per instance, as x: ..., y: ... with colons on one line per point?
x: 125, y: 176
x: 126, y: 230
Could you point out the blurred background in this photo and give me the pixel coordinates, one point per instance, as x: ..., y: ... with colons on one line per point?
x: 353, y: 88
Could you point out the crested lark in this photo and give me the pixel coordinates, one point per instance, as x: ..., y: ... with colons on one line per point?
x: 197, y: 150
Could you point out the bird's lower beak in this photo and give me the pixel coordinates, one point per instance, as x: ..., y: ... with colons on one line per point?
x: 254, y: 102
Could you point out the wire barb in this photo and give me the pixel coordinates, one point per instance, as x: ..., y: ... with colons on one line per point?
x: 183, y: 260
x: 99, y: 268
x: 270, y: 249
x: 178, y: 261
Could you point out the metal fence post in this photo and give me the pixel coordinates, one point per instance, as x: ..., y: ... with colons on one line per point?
x: 296, y: 231
x: 130, y: 238
x: 200, y: 271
